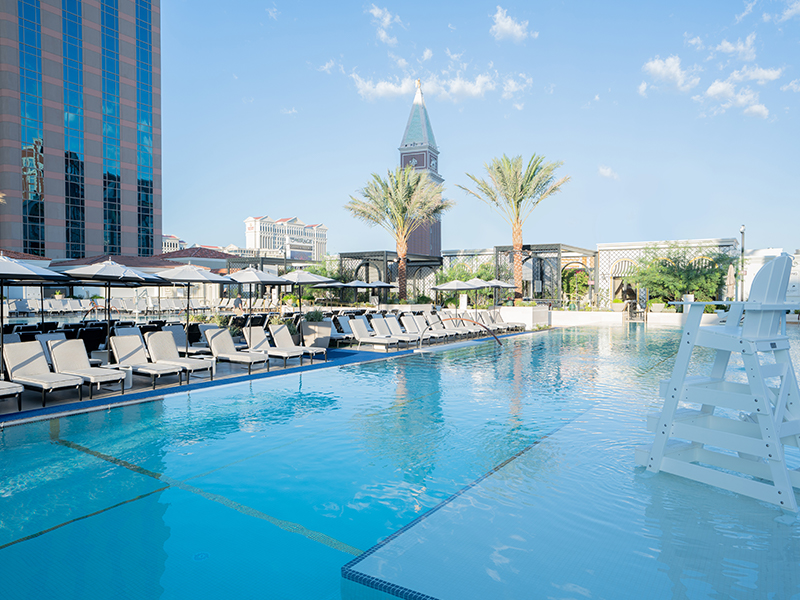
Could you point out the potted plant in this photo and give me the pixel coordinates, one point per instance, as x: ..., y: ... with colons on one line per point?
x: 656, y: 305
x: 316, y: 332
x: 278, y: 320
x: 617, y: 305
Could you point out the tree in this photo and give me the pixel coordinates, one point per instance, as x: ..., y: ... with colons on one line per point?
x: 400, y: 204
x: 669, y: 273
x: 575, y: 283
x: 514, y: 193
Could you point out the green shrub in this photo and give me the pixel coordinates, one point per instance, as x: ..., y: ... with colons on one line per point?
x: 314, y: 316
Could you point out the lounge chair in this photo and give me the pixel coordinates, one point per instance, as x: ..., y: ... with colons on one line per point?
x: 363, y: 336
x: 257, y: 341
x: 452, y: 320
x: 438, y: 324
x: 410, y: 324
x: 497, y: 317
x: 70, y: 358
x: 439, y: 329
x: 381, y: 327
x: 283, y: 339
x: 27, y: 366
x: 163, y: 350
x: 129, y: 350
x: 221, y: 344
x: 336, y: 335
x: 179, y: 335
x: 9, y: 390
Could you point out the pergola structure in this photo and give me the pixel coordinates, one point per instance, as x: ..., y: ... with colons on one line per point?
x: 543, y: 266
x: 381, y: 265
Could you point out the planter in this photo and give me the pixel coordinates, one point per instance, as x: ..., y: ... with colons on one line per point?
x: 296, y: 339
x: 657, y: 307
x: 317, y: 334
x: 617, y: 306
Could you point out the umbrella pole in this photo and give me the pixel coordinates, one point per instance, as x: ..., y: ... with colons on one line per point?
x: 250, y: 316
x: 41, y: 304
x: 188, y: 293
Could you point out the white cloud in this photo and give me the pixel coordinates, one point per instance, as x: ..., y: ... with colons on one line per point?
x: 453, y: 88
x: 427, y: 55
x: 451, y: 27
x: 383, y: 21
x: 512, y: 87
x: 597, y: 97
x: 273, y: 12
x: 507, y: 27
x: 757, y: 74
x: 696, y: 42
x: 745, y: 49
x: 669, y: 70
x: 519, y: 106
x: 452, y: 56
x: 757, y: 110
x: 725, y: 95
x: 289, y: 111
x: 643, y: 89
x: 766, y: 17
x: 248, y: 100
x: 607, y: 172
x: 327, y: 66
x: 793, y: 10
x: 747, y: 10
x: 550, y: 88
x: 400, y: 62
x: 792, y: 85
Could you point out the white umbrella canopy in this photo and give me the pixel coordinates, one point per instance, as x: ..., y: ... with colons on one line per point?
x: 496, y: 283
x: 456, y: 285
x: 19, y: 271
x: 252, y: 275
x: 357, y: 283
x: 300, y: 278
x: 478, y: 283
x: 108, y: 270
x: 190, y: 274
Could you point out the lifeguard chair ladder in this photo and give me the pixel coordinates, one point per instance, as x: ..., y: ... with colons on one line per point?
x: 735, y: 439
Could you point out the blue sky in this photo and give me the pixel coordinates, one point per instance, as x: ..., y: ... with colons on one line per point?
x: 674, y: 120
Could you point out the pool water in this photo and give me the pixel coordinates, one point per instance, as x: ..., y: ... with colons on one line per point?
x: 266, y: 489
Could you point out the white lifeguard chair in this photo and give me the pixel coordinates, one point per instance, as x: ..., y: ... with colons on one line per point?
x: 735, y: 439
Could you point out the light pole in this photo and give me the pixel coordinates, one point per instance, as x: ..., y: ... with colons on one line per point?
x: 741, y: 298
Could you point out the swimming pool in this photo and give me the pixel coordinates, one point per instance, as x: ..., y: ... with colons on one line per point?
x: 266, y: 489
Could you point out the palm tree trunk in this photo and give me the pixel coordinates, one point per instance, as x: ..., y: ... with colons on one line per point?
x: 402, y: 252
x: 516, y: 240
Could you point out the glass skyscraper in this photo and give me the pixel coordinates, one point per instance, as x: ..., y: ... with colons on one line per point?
x: 80, y: 120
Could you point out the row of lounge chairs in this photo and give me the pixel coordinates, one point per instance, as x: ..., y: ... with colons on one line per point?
x: 66, y: 306
x: 388, y: 331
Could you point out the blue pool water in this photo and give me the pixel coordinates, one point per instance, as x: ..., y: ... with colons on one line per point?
x: 266, y: 489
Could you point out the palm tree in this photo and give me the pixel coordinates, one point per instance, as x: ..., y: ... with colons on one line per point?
x: 514, y: 194
x: 400, y: 204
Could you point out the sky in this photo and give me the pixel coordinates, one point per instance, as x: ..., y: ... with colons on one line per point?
x: 673, y: 120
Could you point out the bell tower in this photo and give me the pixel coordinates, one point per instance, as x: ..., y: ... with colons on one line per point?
x: 418, y: 149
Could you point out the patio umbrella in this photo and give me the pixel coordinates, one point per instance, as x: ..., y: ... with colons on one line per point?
x: 730, y: 283
x: 190, y: 274
x: 479, y: 285
x: 332, y: 285
x: 382, y: 285
x: 11, y: 269
x: 301, y: 278
x: 456, y: 285
x: 251, y: 276
x: 496, y: 283
x: 109, y: 272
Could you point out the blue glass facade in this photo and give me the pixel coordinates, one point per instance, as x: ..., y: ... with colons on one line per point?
x: 32, y: 127
x: 112, y: 192
x: 85, y: 91
x: 144, y: 125
x: 74, y: 189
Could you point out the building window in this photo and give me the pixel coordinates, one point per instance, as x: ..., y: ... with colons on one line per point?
x: 144, y: 125
x: 74, y: 198
x: 32, y: 129
x: 112, y: 200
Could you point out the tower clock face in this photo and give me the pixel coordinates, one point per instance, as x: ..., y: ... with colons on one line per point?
x: 434, y: 164
x: 416, y: 160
